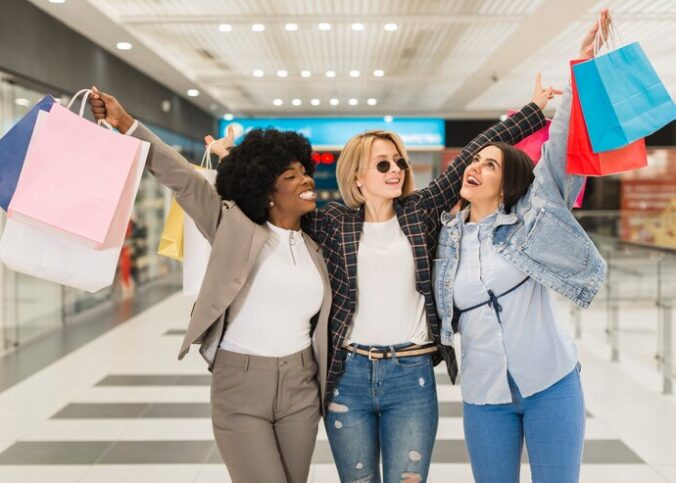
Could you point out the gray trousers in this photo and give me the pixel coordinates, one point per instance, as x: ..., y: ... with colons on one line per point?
x: 265, y: 413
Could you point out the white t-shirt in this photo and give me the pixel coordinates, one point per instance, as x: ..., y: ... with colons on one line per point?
x: 271, y: 314
x: 389, y: 309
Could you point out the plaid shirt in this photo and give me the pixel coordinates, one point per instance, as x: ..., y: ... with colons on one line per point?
x: 338, y: 229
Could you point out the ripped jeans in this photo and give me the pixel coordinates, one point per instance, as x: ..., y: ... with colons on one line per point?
x: 384, y: 406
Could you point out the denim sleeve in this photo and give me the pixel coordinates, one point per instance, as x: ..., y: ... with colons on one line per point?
x: 551, y: 180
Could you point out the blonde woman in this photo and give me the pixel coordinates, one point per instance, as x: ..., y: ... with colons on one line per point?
x: 383, y: 331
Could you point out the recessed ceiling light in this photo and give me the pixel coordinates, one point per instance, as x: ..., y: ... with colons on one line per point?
x: 305, y: 73
x: 278, y: 102
x: 324, y: 26
x: 123, y: 46
x: 315, y: 102
x: 282, y: 73
x: 354, y: 73
x: 358, y: 27
x: 22, y: 101
x: 225, y: 27
x: 372, y: 101
x: 296, y: 102
x: 258, y: 73
x: 193, y: 92
x: 228, y: 117
x: 258, y: 27
x: 291, y: 27
x: 353, y: 102
x: 388, y: 119
x: 378, y: 72
x: 391, y: 27
x: 57, y: 1
x: 330, y: 73
x: 334, y: 102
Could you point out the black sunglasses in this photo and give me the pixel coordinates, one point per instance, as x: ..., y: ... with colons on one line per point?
x: 385, y: 165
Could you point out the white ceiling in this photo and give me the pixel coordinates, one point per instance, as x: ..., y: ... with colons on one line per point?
x: 451, y: 58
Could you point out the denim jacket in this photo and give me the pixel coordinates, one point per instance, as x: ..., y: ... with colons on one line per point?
x: 540, y: 236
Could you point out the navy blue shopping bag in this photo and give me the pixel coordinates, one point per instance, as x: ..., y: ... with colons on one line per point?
x: 13, y: 147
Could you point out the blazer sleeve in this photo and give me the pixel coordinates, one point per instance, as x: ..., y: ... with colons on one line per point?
x: 194, y: 194
x: 444, y: 191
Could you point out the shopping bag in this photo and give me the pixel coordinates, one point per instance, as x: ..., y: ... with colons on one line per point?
x: 29, y: 249
x: 532, y: 146
x: 582, y: 160
x: 171, y: 241
x: 622, y: 97
x: 73, y: 177
x: 196, y: 249
x: 13, y: 147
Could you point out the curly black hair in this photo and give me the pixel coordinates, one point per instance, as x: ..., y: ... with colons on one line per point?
x: 248, y: 173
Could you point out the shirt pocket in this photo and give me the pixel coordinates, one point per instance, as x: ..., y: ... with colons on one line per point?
x: 556, y: 245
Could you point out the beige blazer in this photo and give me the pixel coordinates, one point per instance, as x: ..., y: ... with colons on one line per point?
x: 236, y: 243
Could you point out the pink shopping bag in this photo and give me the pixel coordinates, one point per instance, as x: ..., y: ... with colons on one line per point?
x: 73, y: 177
x: 532, y: 146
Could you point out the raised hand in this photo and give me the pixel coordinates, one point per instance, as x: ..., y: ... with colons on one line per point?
x: 104, y: 106
x: 221, y: 147
x: 587, y: 46
x: 541, y: 95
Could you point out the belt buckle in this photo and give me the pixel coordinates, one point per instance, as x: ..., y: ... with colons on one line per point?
x: 371, y: 352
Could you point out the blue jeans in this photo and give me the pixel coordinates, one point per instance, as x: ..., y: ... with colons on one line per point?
x: 551, y: 422
x: 384, y: 406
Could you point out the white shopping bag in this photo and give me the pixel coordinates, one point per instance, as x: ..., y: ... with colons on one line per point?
x: 51, y: 256
x: 196, y: 249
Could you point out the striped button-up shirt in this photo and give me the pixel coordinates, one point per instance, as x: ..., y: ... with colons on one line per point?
x: 338, y: 229
x: 524, y: 338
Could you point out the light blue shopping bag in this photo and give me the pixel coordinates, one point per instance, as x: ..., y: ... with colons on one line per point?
x: 622, y: 98
x: 13, y: 147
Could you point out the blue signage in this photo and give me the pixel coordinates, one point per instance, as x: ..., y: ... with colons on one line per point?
x: 335, y: 132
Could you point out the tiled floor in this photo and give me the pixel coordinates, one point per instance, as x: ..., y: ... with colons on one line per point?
x: 122, y: 408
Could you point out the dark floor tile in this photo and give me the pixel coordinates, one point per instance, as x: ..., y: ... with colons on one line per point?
x: 54, y: 452
x: 158, y: 452
x: 101, y: 410
x: 178, y: 410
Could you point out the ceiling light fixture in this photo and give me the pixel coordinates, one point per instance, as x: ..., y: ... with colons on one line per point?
x: 228, y: 117
x: 258, y: 27
x: 388, y: 119
x: 291, y: 27
x: 278, y: 102
x: 357, y: 27
x: 334, y: 102
x: 22, y: 101
x: 224, y: 27
x: 305, y: 73
x: 353, y: 102
x: 315, y: 102
x: 282, y: 73
x: 296, y: 102
x: 330, y: 73
x: 391, y: 27
x: 324, y: 26
x: 354, y: 73
x: 258, y: 73
x: 378, y: 72
x: 193, y: 92
x: 372, y: 101
x: 123, y: 46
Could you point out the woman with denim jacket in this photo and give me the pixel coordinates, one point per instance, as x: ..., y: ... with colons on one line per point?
x: 498, y: 261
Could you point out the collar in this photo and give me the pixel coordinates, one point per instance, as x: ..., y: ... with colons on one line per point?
x: 284, y: 234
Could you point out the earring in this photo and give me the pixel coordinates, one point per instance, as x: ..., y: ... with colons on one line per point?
x: 271, y: 204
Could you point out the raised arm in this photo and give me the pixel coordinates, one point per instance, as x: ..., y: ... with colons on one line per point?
x: 195, y: 194
x: 444, y: 191
x: 551, y: 179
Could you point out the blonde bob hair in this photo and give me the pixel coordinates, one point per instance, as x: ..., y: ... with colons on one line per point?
x: 354, y: 161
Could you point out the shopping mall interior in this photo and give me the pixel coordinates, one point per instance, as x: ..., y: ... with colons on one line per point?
x: 91, y: 389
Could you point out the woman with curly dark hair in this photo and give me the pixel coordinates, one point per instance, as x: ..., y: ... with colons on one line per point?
x: 265, y: 297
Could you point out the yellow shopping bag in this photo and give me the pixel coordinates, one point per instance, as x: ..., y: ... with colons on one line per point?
x: 171, y: 242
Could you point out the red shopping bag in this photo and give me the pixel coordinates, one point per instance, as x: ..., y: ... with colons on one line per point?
x: 583, y: 161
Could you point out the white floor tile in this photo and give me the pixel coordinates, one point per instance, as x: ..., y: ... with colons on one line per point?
x: 141, y: 473
x: 42, y: 474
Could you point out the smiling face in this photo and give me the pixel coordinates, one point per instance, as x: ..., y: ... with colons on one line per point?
x: 375, y: 184
x: 482, y: 180
x: 294, y: 193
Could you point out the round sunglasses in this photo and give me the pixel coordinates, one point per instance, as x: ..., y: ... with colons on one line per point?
x: 385, y: 165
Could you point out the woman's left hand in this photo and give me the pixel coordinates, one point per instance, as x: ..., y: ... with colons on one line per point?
x: 541, y: 95
x: 221, y: 147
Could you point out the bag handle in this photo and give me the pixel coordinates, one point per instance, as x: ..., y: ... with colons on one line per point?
x: 206, y: 157
x: 613, y: 40
x: 85, y: 93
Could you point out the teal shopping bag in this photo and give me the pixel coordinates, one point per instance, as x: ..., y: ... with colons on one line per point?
x: 622, y: 98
